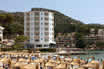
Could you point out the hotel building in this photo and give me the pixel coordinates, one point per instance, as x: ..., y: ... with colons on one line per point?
x: 39, y: 27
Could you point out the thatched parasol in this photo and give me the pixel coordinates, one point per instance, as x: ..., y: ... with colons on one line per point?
x: 51, y: 60
x: 61, y: 66
x: 49, y: 64
x: 30, y: 66
x: 68, y: 59
x: 58, y: 62
x: 39, y: 60
x: 74, y: 63
x: 81, y: 68
x: 76, y: 60
x: 82, y: 61
x: 5, y: 60
x: 22, y: 60
x: 94, y: 62
x: 89, y: 66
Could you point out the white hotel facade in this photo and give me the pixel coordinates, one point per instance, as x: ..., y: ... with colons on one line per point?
x: 39, y: 27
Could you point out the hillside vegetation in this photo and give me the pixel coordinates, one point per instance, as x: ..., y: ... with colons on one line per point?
x: 14, y: 24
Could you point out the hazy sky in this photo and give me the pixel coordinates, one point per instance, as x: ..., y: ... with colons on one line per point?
x: 88, y: 11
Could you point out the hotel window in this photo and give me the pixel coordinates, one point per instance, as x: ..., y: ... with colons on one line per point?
x: 37, y: 18
x: 31, y: 39
x: 46, y: 23
x: 52, y: 29
x: 41, y: 23
x: 46, y: 33
x: 38, y: 45
x: 53, y: 33
x: 46, y: 14
x: 36, y: 40
x: 41, y: 38
x: 36, y: 13
x: 27, y: 33
x: 37, y: 28
x: 41, y: 13
x: 41, y: 33
x: 28, y: 24
x: 36, y: 34
x: 27, y: 18
x: 46, y: 29
x: 46, y: 18
x: 28, y: 14
x: 46, y: 40
x: 28, y: 28
x: 45, y: 45
x: 37, y: 24
x: 52, y: 19
x: 53, y: 24
x: 41, y: 18
x: 32, y: 34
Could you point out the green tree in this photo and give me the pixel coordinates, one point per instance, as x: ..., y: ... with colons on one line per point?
x: 100, y: 44
x: 80, y: 42
x: 6, y: 20
x: 19, y: 41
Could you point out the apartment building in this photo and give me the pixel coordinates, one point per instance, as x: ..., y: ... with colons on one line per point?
x: 39, y: 27
x: 100, y: 35
x: 66, y: 40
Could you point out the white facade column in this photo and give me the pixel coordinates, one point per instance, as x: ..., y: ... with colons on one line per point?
x: 32, y: 28
x: 1, y: 33
x: 25, y: 25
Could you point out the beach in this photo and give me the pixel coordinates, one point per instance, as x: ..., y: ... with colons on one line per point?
x: 21, y: 60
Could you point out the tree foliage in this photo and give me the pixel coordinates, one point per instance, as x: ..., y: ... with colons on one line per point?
x: 14, y: 24
x: 100, y: 44
x: 12, y: 28
x: 19, y: 42
x: 21, y: 38
x: 80, y: 42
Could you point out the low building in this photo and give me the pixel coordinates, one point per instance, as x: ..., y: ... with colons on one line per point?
x: 100, y: 35
x: 65, y: 40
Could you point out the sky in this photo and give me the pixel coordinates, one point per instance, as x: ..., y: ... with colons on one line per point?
x: 87, y: 11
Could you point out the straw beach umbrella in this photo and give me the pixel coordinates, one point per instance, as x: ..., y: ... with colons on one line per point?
x: 61, y: 66
x: 82, y: 61
x: 68, y: 59
x: 75, y: 63
x: 29, y: 66
x: 51, y: 60
x: 50, y: 65
x: 6, y: 60
x: 19, y: 64
x: 76, y: 60
x: 89, y: 66
x: 22, y: 60
x: 81, y: 68
x: 39, y: 60
x: 94, y: 62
